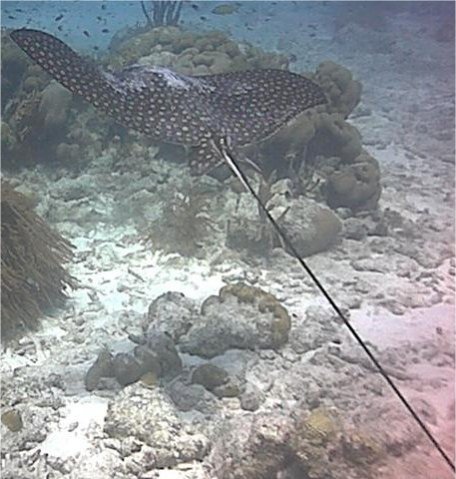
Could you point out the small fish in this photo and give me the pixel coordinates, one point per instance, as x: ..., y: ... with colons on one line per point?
x: 60, y: 28
x: 203, y: 19
x: 11, y: 17
x: 312, y: 35
x: 86, y: 33
x: 195, y: 7
x: 19, y: 10
x: 105, y: 30
x: 99, y: 19
x: 225, y: 9
x: 103, y: 7
x: 58, y: 18
x: 95, y: 48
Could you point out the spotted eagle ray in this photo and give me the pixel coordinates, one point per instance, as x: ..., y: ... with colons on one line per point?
x: 213, y: 114
x: 246, y: 106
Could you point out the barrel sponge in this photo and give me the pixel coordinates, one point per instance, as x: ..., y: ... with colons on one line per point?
x: 33, y: 278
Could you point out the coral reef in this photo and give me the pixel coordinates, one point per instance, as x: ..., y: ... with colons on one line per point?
x: 240, y: 316
x: 311, y: 227
x: 40, y: 123
x: 14, y: 66
x: 37, y: 110
x: 33, y: 278
x: 191, y: 52
x: 322, y: 138
x: 343, y: 92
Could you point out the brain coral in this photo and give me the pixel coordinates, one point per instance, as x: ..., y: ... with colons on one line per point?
x: 240, y: 316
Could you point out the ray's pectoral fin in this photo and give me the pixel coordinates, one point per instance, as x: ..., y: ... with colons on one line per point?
x: 67, y: 67
x: 203, y: 158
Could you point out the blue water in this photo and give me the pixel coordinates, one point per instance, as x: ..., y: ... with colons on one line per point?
x: 255, y: 19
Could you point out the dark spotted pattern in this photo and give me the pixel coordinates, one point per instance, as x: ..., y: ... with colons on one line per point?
x: 246, y: 106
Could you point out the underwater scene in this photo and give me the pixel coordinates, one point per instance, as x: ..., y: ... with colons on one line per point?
x: 227, y: 240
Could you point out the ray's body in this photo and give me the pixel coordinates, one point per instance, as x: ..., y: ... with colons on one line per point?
x: 246, y: 106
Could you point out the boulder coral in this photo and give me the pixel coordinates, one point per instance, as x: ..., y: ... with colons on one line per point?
x: 54, y: 107
x: 311, y: 226
x: 191, y: 52
x: 356, y: 186
x: 304, y: 146
x: 343, y: 92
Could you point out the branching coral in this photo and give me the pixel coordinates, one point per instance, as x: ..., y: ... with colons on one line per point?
x: 32, y: 276
x: 164, y: 12
x: 185, y: 222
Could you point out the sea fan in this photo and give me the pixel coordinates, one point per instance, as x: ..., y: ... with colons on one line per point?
x: 32, y: 276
